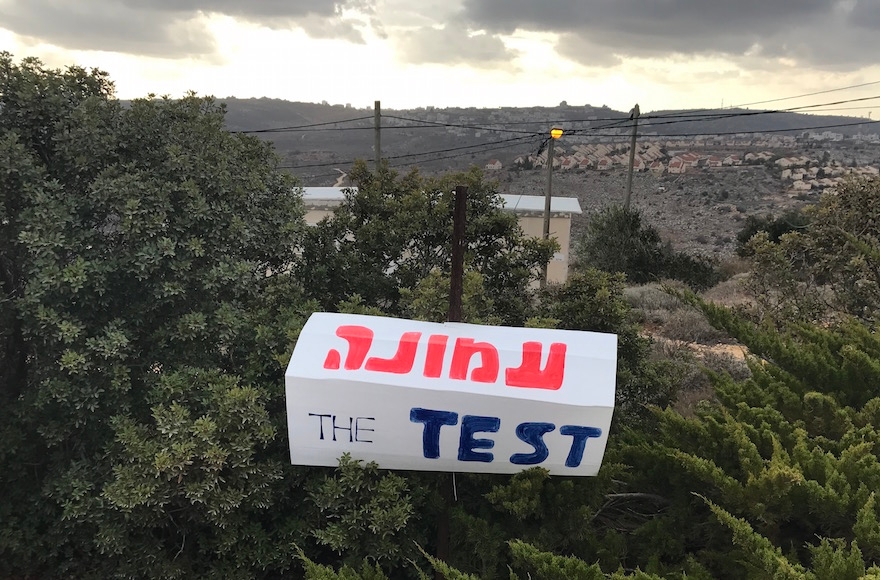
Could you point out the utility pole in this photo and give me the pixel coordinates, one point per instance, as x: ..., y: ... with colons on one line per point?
x: 456, y: 286
x: 377, y: 130
x: 634, y: 115
x: 456, y: 282
x: 555, y: 133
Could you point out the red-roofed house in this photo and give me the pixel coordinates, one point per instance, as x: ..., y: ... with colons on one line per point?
x: 690, y: 159
x: 569, y: 163
x: 732, y: 160
x: 676, y: 166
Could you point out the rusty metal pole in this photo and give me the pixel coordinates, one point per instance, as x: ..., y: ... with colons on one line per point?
x: 456, y: 289
x: 456, y: 282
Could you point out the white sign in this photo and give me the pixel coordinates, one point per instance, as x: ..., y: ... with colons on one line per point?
x: 449, y: 397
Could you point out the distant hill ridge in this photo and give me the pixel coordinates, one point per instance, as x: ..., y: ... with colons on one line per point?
x: 319, y: 154
x: 266, y: 113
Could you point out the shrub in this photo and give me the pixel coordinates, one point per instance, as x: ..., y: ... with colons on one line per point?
x: 617, y: 240
x: 689, y: 325
x: 791, y: 220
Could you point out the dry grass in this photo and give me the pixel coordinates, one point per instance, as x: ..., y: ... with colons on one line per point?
x: 691, y: 326
x: 682, y: 334
x: 734, y: 266
x: 653, y: 306
x: 730, y: 292
x: 667, y: 316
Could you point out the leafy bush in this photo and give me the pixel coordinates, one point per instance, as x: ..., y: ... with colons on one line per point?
x: 617, y: 240
x: 689, y: 325
x: 828, y: 268
x: 775, y: 227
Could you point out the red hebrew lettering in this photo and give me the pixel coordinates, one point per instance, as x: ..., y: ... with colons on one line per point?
x: 402, y: 361
x: 333, y: 360
x: 359, y: 340
x: 465, y: 349
x: 529, y: 373
x: 434, y: 358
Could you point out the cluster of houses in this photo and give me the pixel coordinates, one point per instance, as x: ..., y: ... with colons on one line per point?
x: 681, y: 163
x: 805, y: 174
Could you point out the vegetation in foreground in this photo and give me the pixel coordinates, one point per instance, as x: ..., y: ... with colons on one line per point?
x: 156, y: 271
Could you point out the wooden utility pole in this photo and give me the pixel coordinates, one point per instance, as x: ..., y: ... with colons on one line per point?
x: 634, y: 115
x: 456, y: 282
x: 456, y: 289
x: 377, y: 130
x: 547, y: 198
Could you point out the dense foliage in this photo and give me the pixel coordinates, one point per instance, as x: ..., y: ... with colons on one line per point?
x: 156, y: 272
x: 775, y: 228
x: 397, y: 229
x: 828, y: 268
x: 619, y: 240
x: 143, y: 253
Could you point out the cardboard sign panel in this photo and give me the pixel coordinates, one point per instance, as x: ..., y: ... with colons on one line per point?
x: 449, y: 397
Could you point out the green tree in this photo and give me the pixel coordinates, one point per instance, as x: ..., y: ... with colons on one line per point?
x: 784, y: 461
x: 397, y: 229
x: 144, y: 252
x: 775, y: 228
x: 827, y: 268
x: 617, y: 240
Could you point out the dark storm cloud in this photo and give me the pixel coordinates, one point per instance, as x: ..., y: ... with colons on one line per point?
x: 166, y: 27
x: 826, y: 33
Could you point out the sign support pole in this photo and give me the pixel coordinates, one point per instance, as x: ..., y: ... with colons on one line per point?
x: 456, y: 289
x: 456, y: 281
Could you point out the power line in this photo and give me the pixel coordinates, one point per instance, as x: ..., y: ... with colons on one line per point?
x: 403, y: 164
x: 682, y: 113
x: 461, y: 154
x: 402, y: 127
x: 862, y: 108
x: 794, y: 129
x: 809, y: 94
x: 687, y: 118
x: 803, y: 95
x: 708, y: 116
x: 437, y: 124
x: 505, y: 142
x: 617, y: 122
x: 297, y: 127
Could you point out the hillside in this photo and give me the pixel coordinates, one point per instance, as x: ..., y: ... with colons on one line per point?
x: 700, y: 211
x: 314, y: 153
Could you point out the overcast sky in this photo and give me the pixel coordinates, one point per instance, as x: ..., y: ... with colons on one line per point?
x: 407, y: 53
